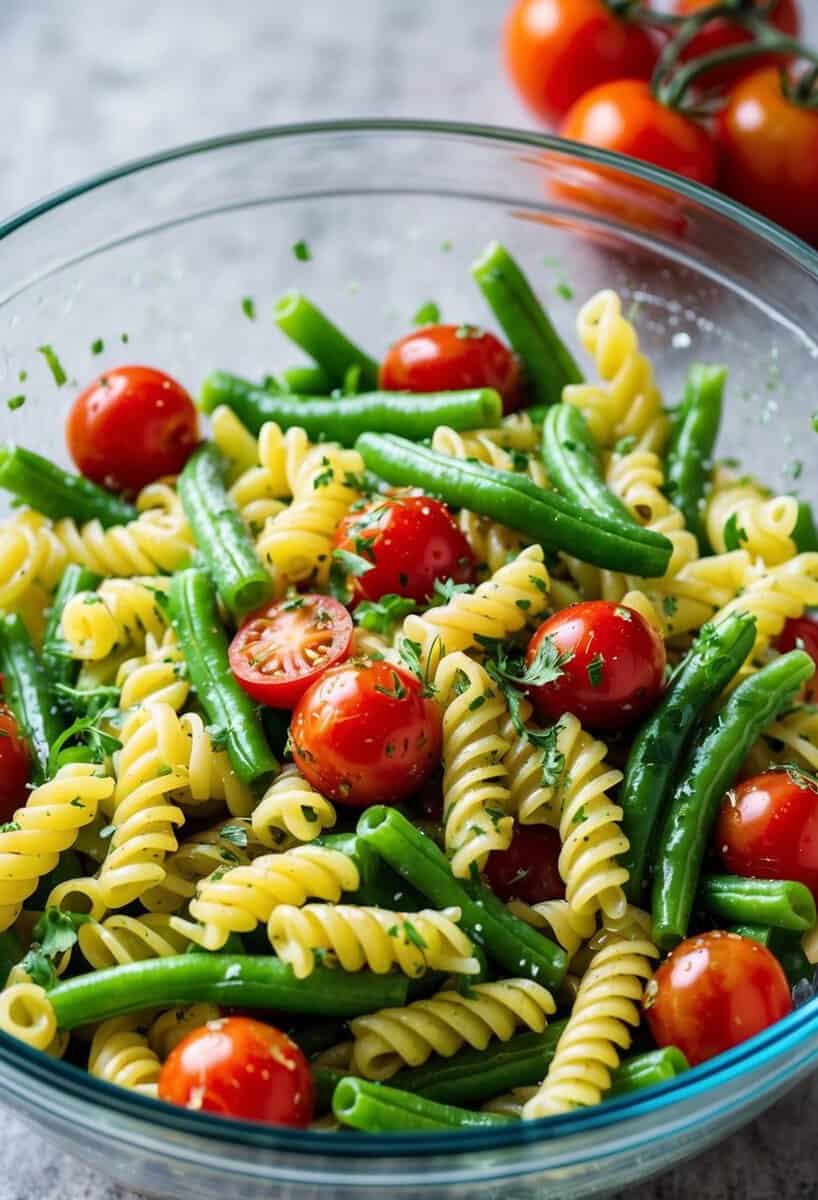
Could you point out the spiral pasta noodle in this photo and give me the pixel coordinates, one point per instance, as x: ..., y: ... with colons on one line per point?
x: 27, y: 1014
x: 199, y: 856
x: 637, y: 478
x: 353, y: 938
x: 763, y: 524
x: 793, y: 738
x: 533, y: 801
x: 606, y: 1007
x: 235, y: 443
x: 121, y: 939
x: 775, y: 595
x: 394, y: 1037
x: 121, y: 612
x: 158, y: 674
x: 291, y: 807
x: 120, y: 1054
x: 172, y: 1026
x: 23, y: 555
x: 569, y: 929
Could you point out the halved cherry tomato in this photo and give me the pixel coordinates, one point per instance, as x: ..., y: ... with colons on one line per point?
x: 625, y: 116
x: 612, y: 664
x: 768, y: 828
x: 282, y: 649
x: 714, y: 991
x: 411, y: 541
x: 801, y: 633
x: 365, y: 734
x: 528, y: 870
x: 131, y: 426
x: 451, y: 358
x: 557, y: 49
x: 721, y: 33
x: 239, y: 1067
x: 769, y: 148
x: 14, y: 765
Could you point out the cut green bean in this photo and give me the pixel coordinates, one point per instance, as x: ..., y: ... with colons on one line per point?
x: 509, y: 941
x: 379, y: 886
x: 572, y: 460
x: 709, y: 771
x: 689, y: 462
x: 325, y: 1079
x: 28, y: 693
x: 56, y: 493
x: 231, y: 980
x: 515, y: 501
x: 548, y: 363
x: 646, y: 1070
x: 204, y: 646
x: 332, y: 350
x: 305, y: 381
x: 344, y: 419
x: 704, y: 673
x: 220, y: 535
x: 376, y: 1108
x: 59, y: 666
x: 779, y: 903
x: 805, y: 535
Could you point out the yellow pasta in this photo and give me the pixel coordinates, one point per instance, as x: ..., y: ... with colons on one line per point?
x: 774, y: 595
x: 27, y: 1014
x: 121, y: 939
x: 763, y: 524
x: 158, y: 674
x: 227, y: 845
x: 291, y: 807
x: 533, y: 800
x: 172, y: 1026
x: 120, y: 613
x: 568, y: 928
x: 637, y: 478
x: 120, y: 1054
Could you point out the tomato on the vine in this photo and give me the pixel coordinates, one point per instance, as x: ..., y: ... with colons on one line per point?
x: 627, y: 118
x: 769, y: 148
x: 131, y: 426
x: 365, y: 733
x: 528, y: 870
x: 283, y: 648
x: 239, y: 1067
x: 605, y: 663
x: 721, y: 33
x: 557, y: 49
x: 452, y: 358
x: 801, y: 633
x: 411, y: 541
x: 714, y: 991
x: 14, y: 765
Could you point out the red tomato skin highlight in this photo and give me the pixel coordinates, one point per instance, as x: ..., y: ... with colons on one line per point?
x: 414, y: 542
x: 616, y: 672
x: 801, y: 633
x: 364, y: 734
x: 557, y: 49
x: 241, y: 1068
x: 624, y: 117
x: 452, y: 358
x: 131, y: 426
x: 768, y: 829
x: 14, y: 765
x: 714, y: 991
x: 528, y: 870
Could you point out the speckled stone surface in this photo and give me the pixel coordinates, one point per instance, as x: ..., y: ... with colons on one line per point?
x: 87, y: 83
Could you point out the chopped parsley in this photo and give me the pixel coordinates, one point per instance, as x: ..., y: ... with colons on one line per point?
x: 302, y: 251
x: 345, y: 563
x: 669, y: 605
x: 324, y: 477
x: 411, y: 934
x: 565, y: 290
x: 595, y: 668
x: 54, y: 365
x: 248, y: 307
x: 624, y: 445
x: 468, y: 332
x: 97, y: 346
x: 382, y: 616
x: 410, y: 654
x: 15, y: 402
x: 427, y: 314
x: 733, y: 535
x: 445, y: 590
x: 396, y: 692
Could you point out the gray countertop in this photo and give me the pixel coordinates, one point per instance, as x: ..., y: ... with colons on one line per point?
x: 87, y: 83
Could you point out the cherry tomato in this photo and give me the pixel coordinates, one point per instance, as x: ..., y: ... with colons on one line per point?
x: 283, y: 648
x: 131, y: 426
x: 528, y: 870
x: 721, y: 33
x: 13, y: 765
x: 769, y: 148
x: 241, y: 1068
x: 768, y: 828
x: 801, y: 633
x: 451, y: 358
x: 364, y: 733
x: 714, y: 991
x: 411, y: 541
x: 624, y: 116
x: 557, y: 49
x: 614, y: 665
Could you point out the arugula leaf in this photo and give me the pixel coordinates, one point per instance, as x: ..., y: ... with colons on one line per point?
x: 381, y: 616
x: 98, y: 743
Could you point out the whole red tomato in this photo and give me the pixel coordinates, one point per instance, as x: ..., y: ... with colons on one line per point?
x: 801, y: 633
x: 626, y: 117
x: 714, y: 991
x: 452, y: 358
x: 557, y: 49
x: 13, y: 765
x: 721, y: 33
x: 528, y: 870
x: 364, y: 733
x: 769, y: 149
x: 131, y: 426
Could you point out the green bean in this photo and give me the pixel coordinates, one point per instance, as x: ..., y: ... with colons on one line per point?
x: 548, y: 363
x: 701, y: 677
x: 516, y: 501
x: 709, y: 771
x: 646, y: 1070
x: 805, y: 534
x: 28, y: 694
x: 204, y: 646
x: 572, y: 460
x: 472, y: 1076
x: 343, y: 419
x: 375, y: 1108
x: 334, y: 353
x: 325, y: 1079
x: 784, y: 945
x: 11, y: 951
x: 379, y: 885
x: 780, y: 903
x: 508, y: 940
x: 227, y: 979
x: 220, y: 536
x: 59, y: 666
x: 57, y: 493
x: 690, y: 459
x: 304, y: 381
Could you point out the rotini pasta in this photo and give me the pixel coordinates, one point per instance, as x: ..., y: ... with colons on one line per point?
x: 121, y: 612
x: 120, y: 1054
x: 230, y: 844
x: 763, y: 524
x: 291, y: 807
x: 775, y: 595
x: 172, y: 1026
x: 121, y: 939
x: 568, y: 928
x: 158, y: 674
x: 27, y: 1014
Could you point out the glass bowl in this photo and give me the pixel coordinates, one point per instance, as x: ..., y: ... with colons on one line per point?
x: 155, y: 258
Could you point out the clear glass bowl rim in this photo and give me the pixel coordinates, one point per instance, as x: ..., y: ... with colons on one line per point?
x: 763, y: 1050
